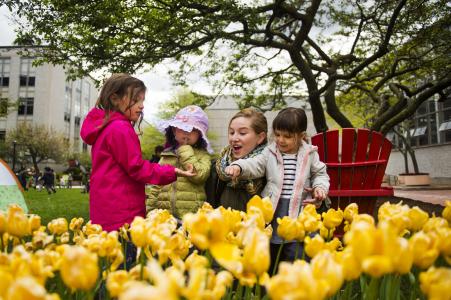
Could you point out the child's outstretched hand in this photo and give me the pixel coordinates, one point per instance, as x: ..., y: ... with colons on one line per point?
x: 233, y: 171
x: 318, y: 195
x: 189, y: 172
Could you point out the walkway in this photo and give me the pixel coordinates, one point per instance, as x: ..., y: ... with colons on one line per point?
x: 428, y: 194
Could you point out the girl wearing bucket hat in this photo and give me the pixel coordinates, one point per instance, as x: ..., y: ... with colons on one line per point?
x: 186, y: 146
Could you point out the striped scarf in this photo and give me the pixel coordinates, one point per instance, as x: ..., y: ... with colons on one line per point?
x: 250, y: 185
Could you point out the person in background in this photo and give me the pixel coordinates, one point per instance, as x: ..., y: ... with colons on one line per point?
x: 48, y: 179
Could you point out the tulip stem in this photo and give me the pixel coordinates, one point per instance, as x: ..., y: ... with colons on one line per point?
x: 257, y: 290
x: 371, y: 293
x: 277, y: 259
x: 298, y: 244
x: 141, y: 261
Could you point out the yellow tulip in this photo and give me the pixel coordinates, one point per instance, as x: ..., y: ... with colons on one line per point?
x: 195, y: 260
x: 424, y: 250
x: 34, y: 222
x: 361, y: 237
x: 79, y: 269
x: 138, y: 232
x: 290, y: 229
x: 256, y: 256
x: 41, y: 239
x: 3, y: 222
x: 434, y: 223
x: 89, y: 228
x: 76, y: 224
x: 26, y: 288
x: 446, y: 213
x: 327, y: 269
x: 326, y: 233
x: 58, y: 226
x: 116, y: 281
x: 232, y: 218
x: 350, y: 212
x: 417, y: 218
x: 436, y: 283
x: 136, y: 290
x: 17, y: 222
x: 205, y: 229
x: 333, y: 245
x: 295, y: 281
x: 402, y: 258
x: 313, y: 245
x: 6, y: 279
x: 309, y: 218
x: 332, y: 218
x: 265, y: 205
x: 228, y: 256
x: 377, y: 265
x: 442, y: 236
x: 351, y: 266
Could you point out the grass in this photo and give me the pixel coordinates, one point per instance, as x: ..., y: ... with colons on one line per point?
x: 66, y: 203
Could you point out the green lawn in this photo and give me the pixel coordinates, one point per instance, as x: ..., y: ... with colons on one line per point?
x: 67, y: 203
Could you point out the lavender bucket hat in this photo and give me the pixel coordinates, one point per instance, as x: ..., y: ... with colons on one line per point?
x: 186, y: 119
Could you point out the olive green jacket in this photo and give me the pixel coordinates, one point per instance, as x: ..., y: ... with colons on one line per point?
x: 187, y: 194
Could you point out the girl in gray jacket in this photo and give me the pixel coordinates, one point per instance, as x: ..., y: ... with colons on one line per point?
x: 295, y: 176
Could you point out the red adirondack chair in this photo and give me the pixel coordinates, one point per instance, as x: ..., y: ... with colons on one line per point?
x: 356, y: 172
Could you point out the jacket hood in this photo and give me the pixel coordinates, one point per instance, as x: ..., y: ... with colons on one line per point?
x: 94, y: 124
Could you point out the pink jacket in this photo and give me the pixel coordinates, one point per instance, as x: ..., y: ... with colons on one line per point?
x: 119, y: 173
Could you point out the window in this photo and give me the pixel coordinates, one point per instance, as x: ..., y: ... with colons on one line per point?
x: 27, y: 72
x: 25, y: 106
x: 4, y: 71
x: 3, y: 107
x: 2, y: 136
x: 26, y: 81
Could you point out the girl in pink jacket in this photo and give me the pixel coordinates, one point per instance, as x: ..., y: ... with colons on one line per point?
x: 119, y: 173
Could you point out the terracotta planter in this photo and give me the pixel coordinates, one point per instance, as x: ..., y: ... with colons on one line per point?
x: 414, y: 179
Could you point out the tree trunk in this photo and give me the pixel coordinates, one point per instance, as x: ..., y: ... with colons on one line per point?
x: 416, y: 170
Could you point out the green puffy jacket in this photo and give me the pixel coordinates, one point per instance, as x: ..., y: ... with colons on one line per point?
x: 187, y: 194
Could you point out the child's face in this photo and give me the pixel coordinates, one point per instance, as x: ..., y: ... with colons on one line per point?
x: 134, y: 112
x: 243, y: 138
x: 186, y: 138
x: 288, y: 142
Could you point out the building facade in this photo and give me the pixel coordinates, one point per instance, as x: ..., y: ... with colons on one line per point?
x: 45, y: 96
x: 430, y: 135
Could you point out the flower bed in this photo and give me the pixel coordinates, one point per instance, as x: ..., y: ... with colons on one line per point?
x: 222, y: 253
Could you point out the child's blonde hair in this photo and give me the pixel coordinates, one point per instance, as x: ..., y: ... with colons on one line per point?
x: 258, y: 120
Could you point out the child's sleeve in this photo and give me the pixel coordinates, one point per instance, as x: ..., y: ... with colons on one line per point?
x: 318, y: 171
x: 253, y: 167
x: 126, y: 150
x: 152, y: 197
x: 201, y: 162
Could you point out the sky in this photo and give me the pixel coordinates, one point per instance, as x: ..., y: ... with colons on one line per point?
x: 160, y: 87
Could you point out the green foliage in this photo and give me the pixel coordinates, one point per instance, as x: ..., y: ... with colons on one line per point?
x: 150, y: 139
x: 184, y: 98
x: 314, y: 49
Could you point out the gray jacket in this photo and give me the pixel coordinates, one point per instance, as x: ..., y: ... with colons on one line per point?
x: 310, y: 172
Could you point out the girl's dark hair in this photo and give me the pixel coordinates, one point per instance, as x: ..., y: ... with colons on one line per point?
x: 290, y: 119
x: 115, y: 88
x: 172, y: 143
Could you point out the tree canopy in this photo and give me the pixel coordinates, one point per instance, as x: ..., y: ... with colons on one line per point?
x: 380, y: 51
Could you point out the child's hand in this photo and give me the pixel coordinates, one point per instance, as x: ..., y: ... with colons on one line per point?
x: 318, y: 194
x: 233, y: 171
x: 189, y: 172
